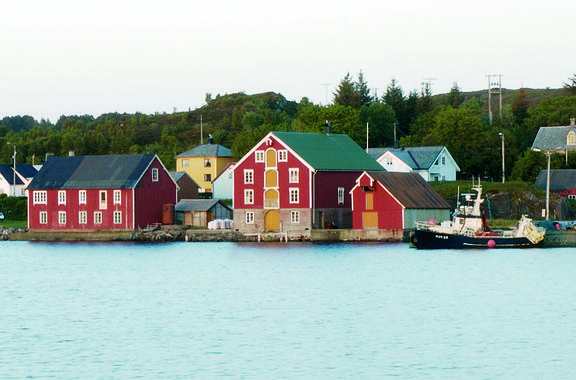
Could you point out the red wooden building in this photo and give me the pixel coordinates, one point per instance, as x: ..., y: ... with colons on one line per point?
x: 395, y: 201
x: 294, y: 182
x: 117, y: 192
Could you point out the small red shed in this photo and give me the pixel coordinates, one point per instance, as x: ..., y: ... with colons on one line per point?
x: 386, y: 200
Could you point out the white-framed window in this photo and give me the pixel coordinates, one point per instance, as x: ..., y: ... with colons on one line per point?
x: 82, y: 197
x: 207, y: 177
x: 184, y: 163
x: 571, y: 196
x: 443, y: 160
x: 294, y: 195
x: 340, y: 195
x: 282, y: 155
x: 249, y: 196
x: 154, y: 174
x: 61, y: 197
x: 295, y: 217
x: 388, y: 160
x: 103, y: 200
x: 117, y: 217
x: 294, y: 177
x: 97, y: 217
x: 249, y: 217
x: 259, y: 156
x: 82, y: 217
x: 207, y: 163
x: 43, y: 217
x: 117, y: 197
x: 248, y: 176
x: 40, y: 197
x: 61, y: 217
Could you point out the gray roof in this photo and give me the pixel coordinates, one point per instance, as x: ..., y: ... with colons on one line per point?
x: 411, y: 190
x: 7, y: 171
x: 417, y: 157
x: 92, y: 172
x: 207, y: 150
x: 198, y: 205
x: 553, y: 138
x: 564, y: 179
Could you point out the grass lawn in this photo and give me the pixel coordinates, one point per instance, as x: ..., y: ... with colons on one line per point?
x: 13, y: 223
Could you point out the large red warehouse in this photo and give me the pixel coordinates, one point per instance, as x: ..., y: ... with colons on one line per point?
x: 116, y: 192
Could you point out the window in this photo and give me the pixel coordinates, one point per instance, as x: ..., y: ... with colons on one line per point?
x: 282, y: 156
x: 154, y: 175
x: 259, y: 156
x: 117, y: 197
x: 294, y: 195
x: 571, y: 196
x: 61, y: 217
x: 388, y: 160
x: 443, y: 160
x: 103, y: 202
x: 43, y: 217
x: 249, y: 197
x: 82, y: 217
x: 207, y: 163
x: 184, y: 163
x: 207, y: 177
x: 249, y: 217
x: 61, y: 197
x: 295, y: 217
x: 248, y: 176
x: 82, y: 197
x: 40, y: 197
x: 117, y: 217
x: 340, y: 195
x: 294, y: 175
x: 97, y: 217
x: 571, y: 138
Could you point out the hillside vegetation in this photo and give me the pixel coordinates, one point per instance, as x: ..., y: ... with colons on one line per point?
x: 457, y: 120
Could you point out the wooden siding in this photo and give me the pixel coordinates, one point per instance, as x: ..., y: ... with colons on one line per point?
x: 150, y: 197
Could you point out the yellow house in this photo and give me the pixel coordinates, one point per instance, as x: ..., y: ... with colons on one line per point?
x: 204, y: 163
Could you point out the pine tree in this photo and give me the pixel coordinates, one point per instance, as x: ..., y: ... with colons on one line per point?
x: 347, y: 94
x: 363, y: 91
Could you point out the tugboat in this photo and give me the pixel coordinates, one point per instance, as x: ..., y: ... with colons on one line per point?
x: 469, y: 229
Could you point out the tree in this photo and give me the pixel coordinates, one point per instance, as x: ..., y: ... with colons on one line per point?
x: 363, y: 91
x: 380, y: 118
x: 454, y: 98
x: 528, y: 166
x: 570, y: 86
x: 347, y: 94
x: 520, y: 106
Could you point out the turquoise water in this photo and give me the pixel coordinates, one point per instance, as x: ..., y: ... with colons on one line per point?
x: 284, y: 311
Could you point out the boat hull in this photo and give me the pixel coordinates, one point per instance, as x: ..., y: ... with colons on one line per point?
x: 424, y: 239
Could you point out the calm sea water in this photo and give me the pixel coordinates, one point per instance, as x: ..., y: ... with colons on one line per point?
x: 284, y: 311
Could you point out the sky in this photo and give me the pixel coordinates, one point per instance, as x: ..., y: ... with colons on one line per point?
x: 70, y: 57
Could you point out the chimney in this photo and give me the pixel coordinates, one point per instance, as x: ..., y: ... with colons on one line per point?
x: 210, y: 139
x: 71, y: 153
x: 328, y: 128
x: 573, y: 122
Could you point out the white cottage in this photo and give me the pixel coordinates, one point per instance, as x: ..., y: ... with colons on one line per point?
x: 433, y: 163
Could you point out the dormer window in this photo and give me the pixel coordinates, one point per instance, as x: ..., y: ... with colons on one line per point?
x: 571, y: 138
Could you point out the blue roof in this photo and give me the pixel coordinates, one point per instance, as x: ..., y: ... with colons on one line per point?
x: 207, y: 150
x: 421, y: 157
x: 92, y: 172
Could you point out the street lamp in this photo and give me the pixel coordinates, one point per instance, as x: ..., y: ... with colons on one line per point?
x: 503, y: 163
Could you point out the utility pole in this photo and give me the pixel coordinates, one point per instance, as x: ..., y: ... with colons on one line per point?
x: 496, y: 83
x: 503, y: 164
x: 201, y: 132
x: 367, y: 137
x: 326, y: 91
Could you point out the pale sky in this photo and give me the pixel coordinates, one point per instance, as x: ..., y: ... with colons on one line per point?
x: 71, y: 57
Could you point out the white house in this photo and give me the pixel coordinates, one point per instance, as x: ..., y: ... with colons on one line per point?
x: 222, y: 185
x: 433, y: 163
x: 14, y: 184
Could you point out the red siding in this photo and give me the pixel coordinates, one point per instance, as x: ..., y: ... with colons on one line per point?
x: 326, y: 188
x: 284, y: 184
x: 390, y: 212
x: 150, y: 198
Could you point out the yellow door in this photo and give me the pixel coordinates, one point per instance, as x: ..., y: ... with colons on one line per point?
x: 369, y: 220
x: 272, y: 221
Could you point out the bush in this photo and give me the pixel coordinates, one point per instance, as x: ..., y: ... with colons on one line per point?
x: 14, y: 208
